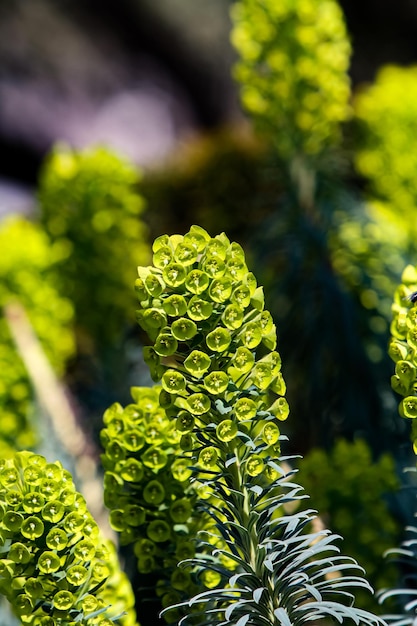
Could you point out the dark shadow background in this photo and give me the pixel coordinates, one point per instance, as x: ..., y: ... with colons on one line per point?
x: 142, y: 75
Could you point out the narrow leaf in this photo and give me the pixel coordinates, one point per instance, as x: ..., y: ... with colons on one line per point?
x: 257, y: 594
x: 282, y: 617
x: 243, y: 620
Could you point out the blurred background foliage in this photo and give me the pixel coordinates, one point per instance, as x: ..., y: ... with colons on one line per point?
x: 91, y: 210
x: 292, y: 68
x: 90, y: 207
x: 25, y: 270
x: 324, y: 210
x: 354, y: 496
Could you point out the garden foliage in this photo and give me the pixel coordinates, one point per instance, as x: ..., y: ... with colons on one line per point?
x: 91, y: 209
x: 198, y: 489
x: 25, y: 275
x: 347, y: 479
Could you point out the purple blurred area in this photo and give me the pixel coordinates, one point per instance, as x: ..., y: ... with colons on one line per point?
x: 131, y: 75
x: 140, y: 76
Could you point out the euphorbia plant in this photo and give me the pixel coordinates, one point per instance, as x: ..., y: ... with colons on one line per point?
x: 213, y: 349
x: 194, y: 472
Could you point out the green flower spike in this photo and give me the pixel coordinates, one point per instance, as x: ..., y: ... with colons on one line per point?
x: 90, y: 208
x: 292, y: 67
x: 254, y: 563
x: 213, y: 365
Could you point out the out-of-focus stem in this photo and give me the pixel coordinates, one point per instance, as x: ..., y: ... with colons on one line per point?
x: 53, y: 398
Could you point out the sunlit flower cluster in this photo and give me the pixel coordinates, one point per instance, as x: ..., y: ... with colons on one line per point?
x: 386, y: 113
x: 90, y: 207
x: 53, y: 565
x: 25, y: 259
x: 213, y: 349
x: 147, y: 489
x: 403, y: 346
x: 293, y: 63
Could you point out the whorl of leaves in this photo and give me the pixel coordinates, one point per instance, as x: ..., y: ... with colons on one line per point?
x: 405, y: 595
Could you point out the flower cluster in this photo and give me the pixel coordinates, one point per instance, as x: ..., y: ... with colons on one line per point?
x: 213, y: 349
x: 403, y: 346
x: 91, y: 209
x: 386, y: 113
x: 147, y: 489
x: 293, y: 70
x: 53, y: 565
x: 366, y: 247
x: 24, y: 276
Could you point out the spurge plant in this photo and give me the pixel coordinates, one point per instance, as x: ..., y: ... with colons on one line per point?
x: 213, y: 349
x: 194, y: 475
